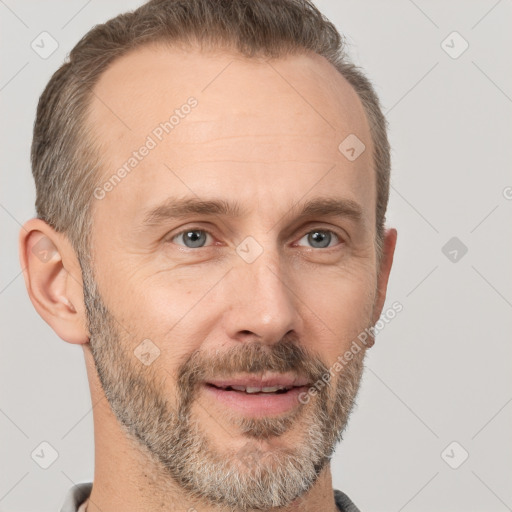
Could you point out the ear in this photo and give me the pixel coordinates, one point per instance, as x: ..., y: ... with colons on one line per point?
x: 386, y: 261
x: 53, y: 278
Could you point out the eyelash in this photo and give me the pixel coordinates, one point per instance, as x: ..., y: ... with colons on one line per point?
x: 322, y: 230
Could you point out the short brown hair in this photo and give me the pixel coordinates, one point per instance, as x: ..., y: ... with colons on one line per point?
x: 64, y: 155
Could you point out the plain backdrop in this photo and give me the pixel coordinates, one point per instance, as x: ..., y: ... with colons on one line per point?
x: 432, y: 429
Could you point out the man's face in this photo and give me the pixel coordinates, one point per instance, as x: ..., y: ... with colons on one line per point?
x: 180, y: 302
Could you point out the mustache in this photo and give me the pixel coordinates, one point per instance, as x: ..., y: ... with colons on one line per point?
x: 286, y: 356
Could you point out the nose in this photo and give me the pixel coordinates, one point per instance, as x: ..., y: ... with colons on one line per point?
x: 263, y: 305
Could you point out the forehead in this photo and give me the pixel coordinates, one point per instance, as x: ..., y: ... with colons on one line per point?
x: 155, y: 76
x: 274, y: 124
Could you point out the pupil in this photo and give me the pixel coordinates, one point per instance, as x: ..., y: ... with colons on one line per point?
x: 195, y: 238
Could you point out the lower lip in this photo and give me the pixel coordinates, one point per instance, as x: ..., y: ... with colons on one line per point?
x: 258, y: 404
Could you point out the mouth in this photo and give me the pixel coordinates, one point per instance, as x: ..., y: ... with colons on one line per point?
x: 253, y: 390
x: 258, y: 397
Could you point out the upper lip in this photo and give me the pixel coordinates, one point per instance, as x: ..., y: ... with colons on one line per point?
x: 262, y: 381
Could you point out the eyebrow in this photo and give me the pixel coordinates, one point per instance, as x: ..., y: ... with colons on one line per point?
x: 176, y: 208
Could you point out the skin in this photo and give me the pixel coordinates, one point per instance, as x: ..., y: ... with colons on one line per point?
x: 265, y: 134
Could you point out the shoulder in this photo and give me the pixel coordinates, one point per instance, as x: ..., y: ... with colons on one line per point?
x: 343, y: 502
x: 75, y: 496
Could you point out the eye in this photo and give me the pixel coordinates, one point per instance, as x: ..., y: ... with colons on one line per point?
x: 192, y: 238
x: 320, y: 238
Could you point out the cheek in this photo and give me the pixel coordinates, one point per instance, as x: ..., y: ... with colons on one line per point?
x: 172, y: 311
x: 341, y: 302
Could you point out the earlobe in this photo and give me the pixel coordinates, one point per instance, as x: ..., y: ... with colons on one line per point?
x: 53, y: 279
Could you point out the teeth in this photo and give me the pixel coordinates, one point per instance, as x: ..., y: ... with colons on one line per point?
x: 238, y: 388
x: 272, y: 389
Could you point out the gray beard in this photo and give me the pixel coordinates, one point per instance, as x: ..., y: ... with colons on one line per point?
x: 250, y: 478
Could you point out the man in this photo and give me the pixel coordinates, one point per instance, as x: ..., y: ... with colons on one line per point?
x: 212, y: 179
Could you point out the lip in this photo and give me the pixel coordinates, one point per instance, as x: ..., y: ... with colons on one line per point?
x: 257, y: 404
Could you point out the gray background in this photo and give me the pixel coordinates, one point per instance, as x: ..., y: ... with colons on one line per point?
x: 439, y: 372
